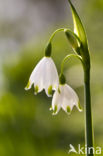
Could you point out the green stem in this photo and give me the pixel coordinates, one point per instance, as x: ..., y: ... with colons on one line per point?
x: 64, y: 29
x: 88, y: 113
x: 68, y: 57
x: 48, y: 48
x: 53, y: 34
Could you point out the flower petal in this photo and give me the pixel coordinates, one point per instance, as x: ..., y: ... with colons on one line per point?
x: 36, y: 74
x: 44, y: 76
x: 56, y: 102
x: 38, y: 71
x: 51, y: 76
x: 79, y: 107
x: 70, y: 99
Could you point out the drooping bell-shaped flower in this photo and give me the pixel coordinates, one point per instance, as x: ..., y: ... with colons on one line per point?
x: 44, y: 76
x: 66, y: 98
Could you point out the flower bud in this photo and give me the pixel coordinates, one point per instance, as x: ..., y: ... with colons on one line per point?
x: 72, y: 40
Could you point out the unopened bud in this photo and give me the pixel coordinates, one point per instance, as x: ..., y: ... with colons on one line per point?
x: 72, y: 40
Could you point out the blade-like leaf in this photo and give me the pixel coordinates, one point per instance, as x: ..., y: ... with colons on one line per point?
x: 78, y: 26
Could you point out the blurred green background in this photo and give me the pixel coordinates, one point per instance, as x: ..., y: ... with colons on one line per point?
x: 27, y: 127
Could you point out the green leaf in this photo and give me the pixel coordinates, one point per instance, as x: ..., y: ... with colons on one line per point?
x: 78, y: 26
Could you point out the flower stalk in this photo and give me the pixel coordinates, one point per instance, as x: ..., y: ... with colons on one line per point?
x: 88, y: 112
x: 84, y: 53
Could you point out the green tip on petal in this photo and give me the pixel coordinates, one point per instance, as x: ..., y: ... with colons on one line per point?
x: 55, y: 110
x: 59, y: 90
x: 36, y: 89
x: 48, y: 50
x: 50, y: 90
x: 28, y: 85
x: 51, y: 108
x: 79, y: 107
x: 62, y: 79
x: 68, y: 110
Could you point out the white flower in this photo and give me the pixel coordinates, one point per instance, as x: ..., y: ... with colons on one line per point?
x: 44, y: 76
x: 66, y: 98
